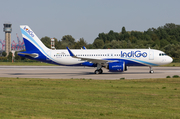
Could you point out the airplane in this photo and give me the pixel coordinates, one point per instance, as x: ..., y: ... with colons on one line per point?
x: 115, y: 60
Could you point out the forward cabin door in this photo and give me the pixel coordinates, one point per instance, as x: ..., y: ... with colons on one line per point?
x: 151, y: 55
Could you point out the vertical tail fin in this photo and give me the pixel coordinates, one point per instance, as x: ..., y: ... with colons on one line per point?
x: 31, y: 41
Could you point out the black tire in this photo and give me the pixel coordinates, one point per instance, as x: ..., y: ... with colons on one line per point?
x: 151, y: 72
x: 96, y: 71
x: 100, y: 71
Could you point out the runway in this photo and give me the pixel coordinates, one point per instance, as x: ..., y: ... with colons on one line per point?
x: 62, y: 72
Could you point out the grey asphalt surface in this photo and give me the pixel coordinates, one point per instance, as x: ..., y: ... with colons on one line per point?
x: 63, y: 72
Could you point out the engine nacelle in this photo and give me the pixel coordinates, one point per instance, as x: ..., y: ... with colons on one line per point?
x: 116, y: 67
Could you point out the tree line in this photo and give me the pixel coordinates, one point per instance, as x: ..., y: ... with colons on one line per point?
x: 165, y: 38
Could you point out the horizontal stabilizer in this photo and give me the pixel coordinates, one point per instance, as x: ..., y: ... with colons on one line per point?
x: 34, y: 55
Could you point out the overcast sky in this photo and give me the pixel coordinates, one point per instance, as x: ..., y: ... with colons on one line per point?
x: 86, y: 18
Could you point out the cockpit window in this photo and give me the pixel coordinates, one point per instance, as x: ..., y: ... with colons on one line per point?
x: 162, y: 54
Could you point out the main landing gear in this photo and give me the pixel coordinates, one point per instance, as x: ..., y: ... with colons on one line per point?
x: 151, y: 71
x: 98, y: 70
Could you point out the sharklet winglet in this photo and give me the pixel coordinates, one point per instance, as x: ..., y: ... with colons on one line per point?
x: 71, y: 53
x: 84, y: 47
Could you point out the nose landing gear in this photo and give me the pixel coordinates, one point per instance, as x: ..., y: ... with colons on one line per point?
x: 151, y: 71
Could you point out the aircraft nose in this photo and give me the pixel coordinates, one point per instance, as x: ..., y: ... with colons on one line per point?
x: 170, y: 59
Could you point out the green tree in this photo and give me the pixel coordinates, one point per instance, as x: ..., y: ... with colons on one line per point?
x: 164, y: 34
x: 98, y: 43
x: 9, y: 57
x: 123, y: 31
x: 89, y: 46
x: 67, y: 40
x: 111, y: 35
x: 103, y: 36
x: 163, y: 43
x: 156, y: 47
x: 154, y: 37
x: 169, y: 26
x: 4, y: 53
x: 161, y: 38
x: 124, y: 35
x: 107, y: 46
x: 147, y: 37
x: 57, y: 43
x: 79, y: 44
x: 115, y: 44
x: 46, y: 41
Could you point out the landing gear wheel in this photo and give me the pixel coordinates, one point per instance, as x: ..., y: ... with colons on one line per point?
x: 96, y: 72
x: 100, y: 71
x: 151, y: 71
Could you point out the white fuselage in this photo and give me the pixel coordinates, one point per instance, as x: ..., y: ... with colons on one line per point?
x: 116, y: 60
x: 133, y: 57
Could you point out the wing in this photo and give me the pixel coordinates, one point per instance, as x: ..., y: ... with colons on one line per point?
x: 91, y: 60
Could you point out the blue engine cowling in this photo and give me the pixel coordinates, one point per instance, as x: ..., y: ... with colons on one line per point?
x: 116, y: 66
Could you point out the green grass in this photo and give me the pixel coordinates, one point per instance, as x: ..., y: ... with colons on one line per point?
x: 89, y: 99
x: 171, y: 65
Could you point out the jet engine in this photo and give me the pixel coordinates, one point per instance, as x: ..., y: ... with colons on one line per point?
x: 117, y: 67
